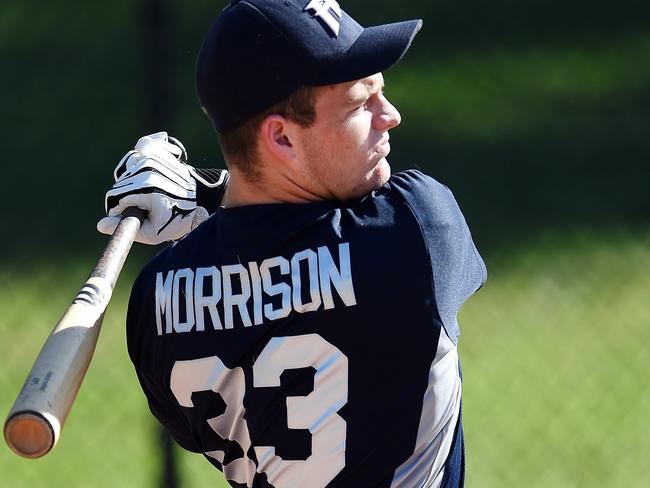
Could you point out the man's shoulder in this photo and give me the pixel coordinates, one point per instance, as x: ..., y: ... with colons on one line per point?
x: 458, y: 269
x: 431, y: 202
x: 155, y: 264
x: 414, y: 179
x: 414, y: 185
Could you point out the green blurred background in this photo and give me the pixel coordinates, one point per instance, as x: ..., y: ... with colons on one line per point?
x: 536, y: 114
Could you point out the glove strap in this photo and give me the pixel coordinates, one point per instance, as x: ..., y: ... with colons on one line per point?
x: 211, y: 185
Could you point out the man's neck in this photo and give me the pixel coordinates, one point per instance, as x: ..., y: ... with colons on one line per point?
x: 243, y: 191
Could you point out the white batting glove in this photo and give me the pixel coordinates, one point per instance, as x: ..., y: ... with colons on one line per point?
x: 156, y: 178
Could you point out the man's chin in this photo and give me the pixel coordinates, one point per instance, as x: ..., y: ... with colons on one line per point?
x: 377, y: 177
x: 381, y: 173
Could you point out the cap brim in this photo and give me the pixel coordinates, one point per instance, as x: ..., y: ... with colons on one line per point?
x: 375, y: 50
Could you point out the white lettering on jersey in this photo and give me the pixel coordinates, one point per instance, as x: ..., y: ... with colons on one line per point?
x: 164, y: 301
x: 269, y: 291
x: 232, y: 300
x: 341, y: 278
x: 317, y: 412
x: 186, y: 325
x: 209, y: 301
x: 323, y: 10
x: 210, y: 374
x: 276, y: 289
x: 256, y: 283
x: 312, y: 262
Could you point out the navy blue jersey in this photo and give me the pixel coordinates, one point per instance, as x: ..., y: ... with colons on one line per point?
x: 313, y: 345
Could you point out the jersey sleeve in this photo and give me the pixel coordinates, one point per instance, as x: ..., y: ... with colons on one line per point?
x: 142, y: 350
x: 456, y: 266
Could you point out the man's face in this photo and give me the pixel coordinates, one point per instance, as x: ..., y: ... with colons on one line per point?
x: 345, y: 150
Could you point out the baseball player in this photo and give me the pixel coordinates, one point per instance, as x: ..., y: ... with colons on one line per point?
x: 304, y: 333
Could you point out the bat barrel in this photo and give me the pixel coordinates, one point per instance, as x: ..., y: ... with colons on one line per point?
x: 34, y: 424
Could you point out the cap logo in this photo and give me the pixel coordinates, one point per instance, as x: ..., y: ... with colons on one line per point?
x: 329, y: 11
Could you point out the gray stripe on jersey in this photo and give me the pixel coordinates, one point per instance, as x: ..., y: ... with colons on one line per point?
x: 440, y: 411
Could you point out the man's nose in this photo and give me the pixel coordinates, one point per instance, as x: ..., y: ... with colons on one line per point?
x: 388, y: 116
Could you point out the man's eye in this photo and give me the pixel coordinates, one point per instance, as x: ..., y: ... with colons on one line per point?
x: 360, y: 107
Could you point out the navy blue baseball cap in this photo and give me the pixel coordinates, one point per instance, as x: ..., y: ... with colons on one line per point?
x: 258, y: 52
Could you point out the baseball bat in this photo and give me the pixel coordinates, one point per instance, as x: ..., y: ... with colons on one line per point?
x: 34, y: 423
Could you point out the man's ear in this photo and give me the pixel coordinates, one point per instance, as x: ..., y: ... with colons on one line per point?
x: 275, y: 138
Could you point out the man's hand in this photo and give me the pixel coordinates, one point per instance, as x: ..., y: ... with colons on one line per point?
x: 155, y: 177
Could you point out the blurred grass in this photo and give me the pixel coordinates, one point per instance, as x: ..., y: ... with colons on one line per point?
x: 106, y: 439
x: 554, y: 350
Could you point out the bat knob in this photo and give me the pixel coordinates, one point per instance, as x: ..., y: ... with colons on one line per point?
x: 29, y: 434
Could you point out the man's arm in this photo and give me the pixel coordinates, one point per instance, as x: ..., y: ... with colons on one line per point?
x: 456, y: 265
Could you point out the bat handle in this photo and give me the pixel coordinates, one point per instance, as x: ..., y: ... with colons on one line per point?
x: 110, y: 264
x: 34, y: 424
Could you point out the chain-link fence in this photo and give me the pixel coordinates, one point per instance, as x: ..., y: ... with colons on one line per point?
x: 554, y: 349
x: 536, y: 114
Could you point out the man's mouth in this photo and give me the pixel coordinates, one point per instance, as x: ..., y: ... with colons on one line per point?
x: 383, y: 146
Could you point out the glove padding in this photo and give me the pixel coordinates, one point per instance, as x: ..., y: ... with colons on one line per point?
x: 155, y: 177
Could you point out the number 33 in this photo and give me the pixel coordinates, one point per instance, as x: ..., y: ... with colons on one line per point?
x: 316, y: 411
